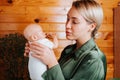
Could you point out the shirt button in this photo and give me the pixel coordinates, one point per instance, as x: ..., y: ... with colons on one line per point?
x: 89, y: 61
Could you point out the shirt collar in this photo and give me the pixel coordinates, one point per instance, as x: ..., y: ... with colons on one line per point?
x: 88, y: 45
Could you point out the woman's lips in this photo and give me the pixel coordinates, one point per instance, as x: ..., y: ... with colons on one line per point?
x: 68, y: 33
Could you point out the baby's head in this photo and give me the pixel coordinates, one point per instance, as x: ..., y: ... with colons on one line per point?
x: 33, y: 32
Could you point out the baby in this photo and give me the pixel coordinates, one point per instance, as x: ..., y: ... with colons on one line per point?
x: 34, y: 33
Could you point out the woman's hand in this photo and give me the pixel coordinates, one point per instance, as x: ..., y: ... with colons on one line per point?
x: 27, y: 50
x: 43, y: 53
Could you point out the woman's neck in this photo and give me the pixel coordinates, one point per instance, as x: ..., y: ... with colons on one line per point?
x: 81, y: 42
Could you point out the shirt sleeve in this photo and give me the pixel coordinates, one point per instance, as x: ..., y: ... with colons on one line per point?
x: 53, y: 73
x: 91, y: 68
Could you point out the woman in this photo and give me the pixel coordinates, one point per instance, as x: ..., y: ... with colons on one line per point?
x: 83, y: 60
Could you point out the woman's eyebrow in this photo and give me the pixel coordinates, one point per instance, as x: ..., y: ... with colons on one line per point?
x: 73, y: 17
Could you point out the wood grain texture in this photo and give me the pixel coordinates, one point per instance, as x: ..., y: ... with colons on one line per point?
x: 43, y: 2
x: 117, y: 41
x: 14, y: 18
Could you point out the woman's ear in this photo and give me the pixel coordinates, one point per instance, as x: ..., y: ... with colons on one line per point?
x: 92, y: 27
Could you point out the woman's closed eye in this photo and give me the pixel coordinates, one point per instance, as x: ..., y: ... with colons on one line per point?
x: 75, y: 22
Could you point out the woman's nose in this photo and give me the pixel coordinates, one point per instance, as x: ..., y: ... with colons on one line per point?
x: 68, y: 24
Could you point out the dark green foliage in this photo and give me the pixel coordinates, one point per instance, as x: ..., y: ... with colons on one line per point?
x: 12, y: 58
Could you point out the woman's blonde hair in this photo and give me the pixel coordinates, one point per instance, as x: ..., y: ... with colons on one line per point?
x: 91, y: 11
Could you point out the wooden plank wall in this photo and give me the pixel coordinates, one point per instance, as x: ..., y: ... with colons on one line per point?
x: 52, y: 14
x: 116, y: 41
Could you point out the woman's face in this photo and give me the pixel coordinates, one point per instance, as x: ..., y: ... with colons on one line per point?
x: 76, y: 26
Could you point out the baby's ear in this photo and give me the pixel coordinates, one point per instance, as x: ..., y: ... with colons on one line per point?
x: 34, y: 37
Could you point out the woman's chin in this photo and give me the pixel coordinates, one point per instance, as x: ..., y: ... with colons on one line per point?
x: 69, y: 38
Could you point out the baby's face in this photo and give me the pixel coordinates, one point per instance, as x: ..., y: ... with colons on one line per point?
x: 40, y: 35
x: 33, y: 30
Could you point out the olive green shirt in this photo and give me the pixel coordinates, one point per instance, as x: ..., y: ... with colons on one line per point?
x: 85, y: 63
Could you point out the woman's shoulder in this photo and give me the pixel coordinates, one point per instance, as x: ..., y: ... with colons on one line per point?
x: 96, y: 53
